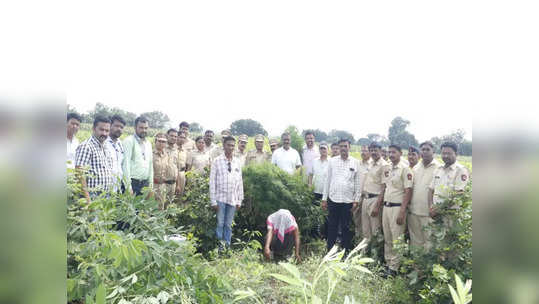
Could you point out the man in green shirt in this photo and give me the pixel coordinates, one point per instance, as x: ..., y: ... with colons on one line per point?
x: 138, y: 159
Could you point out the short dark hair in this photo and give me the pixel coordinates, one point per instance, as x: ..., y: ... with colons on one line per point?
x: 184, y: 124
x: 396, y: 147
x: 100, y: 118
x: 308, y: 132
x: 182, y: 132
x: 140, y: 119
x: 74, y: 115
x: 209, y: 131
x: 285, y: 134
x: 344, y: 140
x: 198, y: 138
x: 375, y: 145
x: 334, y: 144
x: 449, y: 144
x: 228, y: 138
x: 413, y: 149
x: 428, y: 143
x: 117, y: 117
x: 171, y: 130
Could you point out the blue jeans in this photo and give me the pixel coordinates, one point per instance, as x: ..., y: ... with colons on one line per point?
x: 225, y: 215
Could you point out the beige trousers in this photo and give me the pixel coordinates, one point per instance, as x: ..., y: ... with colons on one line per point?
x: 392, y: 232
x: 419, y: 237
x: 370, y: 225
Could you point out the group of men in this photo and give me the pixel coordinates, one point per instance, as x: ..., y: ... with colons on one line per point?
x: 381, y: 194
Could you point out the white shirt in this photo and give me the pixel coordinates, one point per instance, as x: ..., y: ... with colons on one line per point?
x: 116, y: 151
x: 309, y: 155
x: 71, y: 150
x: 286, y: 159
x: 344, y: 180
x: 320, y: 174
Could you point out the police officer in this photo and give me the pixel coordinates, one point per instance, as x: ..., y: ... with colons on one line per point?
x: 372, y: 188
x: 165, y: 168
x: 258, y: 155
x: 218, y: 150
x: 274, y: 145
x: 413, y: 156
x: 397, y: 185
x: 182, y: 163
x: 241, y: 152
x: 189, y: 144
x: 418, y: 217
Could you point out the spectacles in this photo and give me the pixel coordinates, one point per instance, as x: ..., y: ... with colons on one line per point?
x: 229, y: 167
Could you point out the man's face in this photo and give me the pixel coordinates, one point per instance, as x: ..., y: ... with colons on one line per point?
x: 309, y: 140
x: 273, y: 147
x: 200, y: 144
x: 383, y: 153
x: 394, y: 155
x: 365, y: 155
x: 427, y: 153
x: 413, y: 158
x: 259, y: 145
x: 101, y: 131
x: 116, y: 129
x: 375, y: 153
x: 228, y: 146
x: 160, y: 143
x: 181, y: 139
x: 343, y: 149
x: 323, y: 151
x: 448, y: 156
x: 208, y: 138
x: 334, y: 150
x: 172, y: 138
x: 241, y: 145
x: 142, y: 129
x: 286, y: 142
x: 73, y: 126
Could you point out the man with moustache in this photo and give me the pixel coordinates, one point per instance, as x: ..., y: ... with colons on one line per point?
x: 208, y: 141
x: 371, y: 223
x: 172, y: 139
x: 116, y: 151
x: 218, y: 150
x: 92, y: 155
x: 274, y: 145
x: 334, y: 150
x: 413, y: 156
x: 286, y: 157
x: 397, y: 185
x: 241, y: 152
x: 418, y: 217
x: 73, y: 124
x: 310, y: 152
x: 189, y: 144
x: 138, y: 159
x: 258, y: 155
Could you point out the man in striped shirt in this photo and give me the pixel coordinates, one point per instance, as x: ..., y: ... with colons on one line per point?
x: 341, y: 192
x: 226, y: 189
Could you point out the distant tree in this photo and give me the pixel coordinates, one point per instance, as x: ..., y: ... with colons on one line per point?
x: 247, y: 126
x: 398, y: 135
x: 101, y: 109
x: 319, y: 135
x: 156, y: 119
x: 364, y: 141
x: 195, y: 127
x: 464, y: 146
x: 296, y: 140
x: 335, y: 135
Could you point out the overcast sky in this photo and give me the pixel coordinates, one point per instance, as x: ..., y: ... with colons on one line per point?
x: 348, y: 65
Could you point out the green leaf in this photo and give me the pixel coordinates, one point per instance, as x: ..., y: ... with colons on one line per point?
x: 100, y: 294
x: 292, y: 269
x: 289, y: 280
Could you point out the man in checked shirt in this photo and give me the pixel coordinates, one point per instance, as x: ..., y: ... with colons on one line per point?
x: 226, y: 190
x: 341, y: 192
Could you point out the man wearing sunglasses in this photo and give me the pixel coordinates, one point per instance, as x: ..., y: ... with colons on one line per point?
x: 226, y: 190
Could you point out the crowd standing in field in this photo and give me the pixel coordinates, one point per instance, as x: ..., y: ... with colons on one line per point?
x: 381, y: 194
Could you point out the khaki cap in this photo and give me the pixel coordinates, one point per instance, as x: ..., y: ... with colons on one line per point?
x: 259, y: 137
x: 273, y: 142
x: 243, y: 137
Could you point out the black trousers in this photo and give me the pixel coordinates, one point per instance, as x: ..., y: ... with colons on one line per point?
x: 138, y: 184
x: 339, y: 214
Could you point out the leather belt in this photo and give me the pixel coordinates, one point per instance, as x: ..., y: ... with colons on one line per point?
x: 169, y: 182
x: 388, y: 204
x: 371, y: 195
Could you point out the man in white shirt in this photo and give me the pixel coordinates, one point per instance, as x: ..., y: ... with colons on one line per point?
x: 310, y: 152
x: 317, y: 177
x: 73, y: 124
x: 286, y: 157
x: 341, y: 193
x: 116, y: 151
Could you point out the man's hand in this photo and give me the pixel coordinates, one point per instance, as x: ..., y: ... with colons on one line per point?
x: 324, y: 205
x: 401, y: 217
x: 267, y: 253
x: 432, y: 211
x: 178, y: 190
x: 354, y: 206
x: 238, y: 207
x: 215, y: 207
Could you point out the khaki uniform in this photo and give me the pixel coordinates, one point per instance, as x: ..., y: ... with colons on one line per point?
x: 165, y: 173
x: 189, y: 145
x: 241, y: 156
x: 397, y: 178
x: 418, y: 217
x: 254, y: 157
x: 172, y: 149
x: 197, y: 161
x: 182, y: 163
x: 363, y: 169
x: 372, y: 186
x: 216, y: 152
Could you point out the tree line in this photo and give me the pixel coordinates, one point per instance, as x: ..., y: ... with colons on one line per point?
x: 397, y: 132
